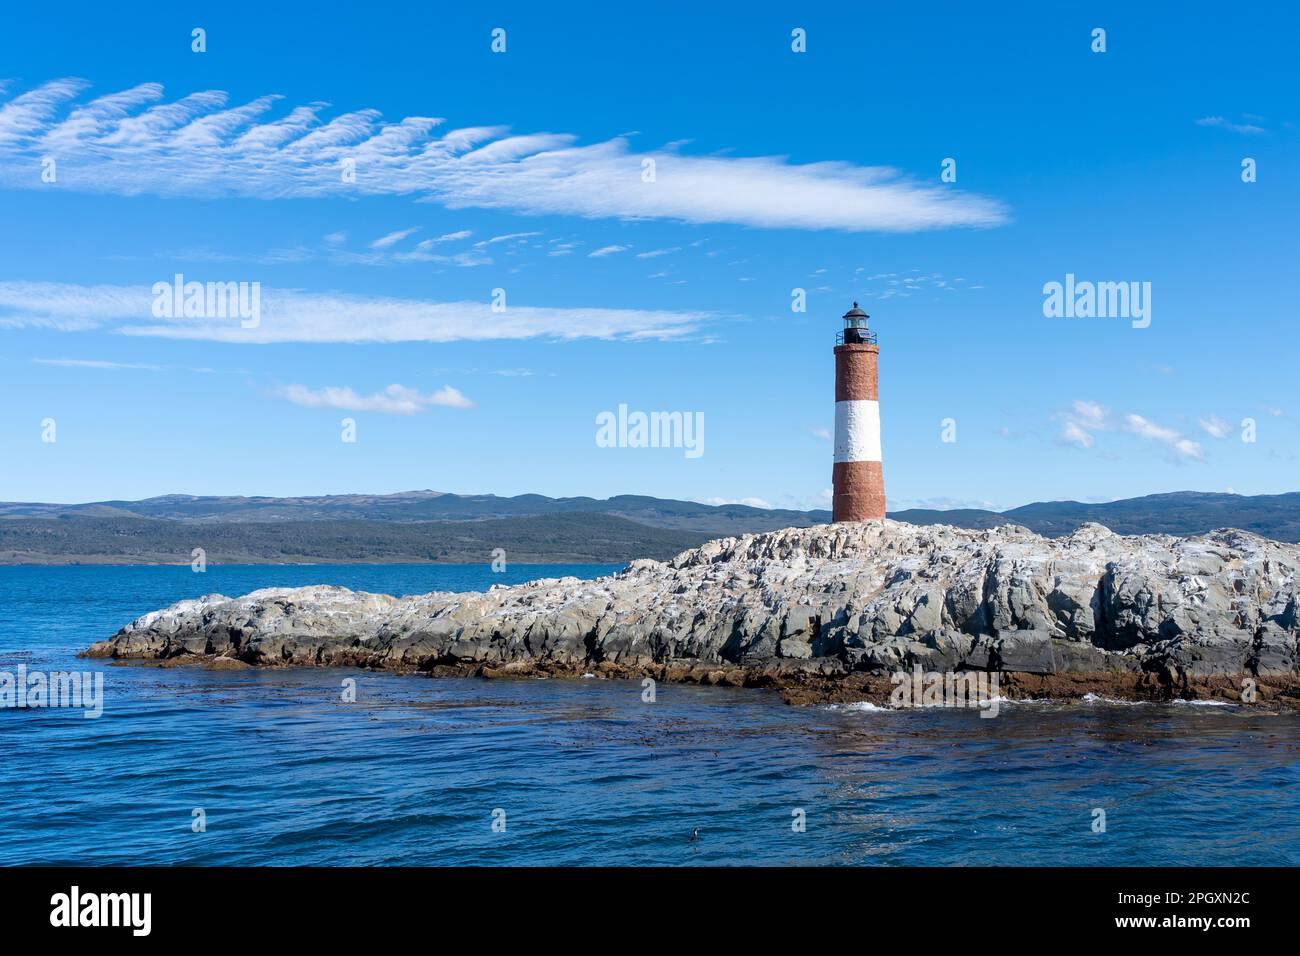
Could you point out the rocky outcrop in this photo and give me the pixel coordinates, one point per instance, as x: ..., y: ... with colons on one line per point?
x: 809, y: 606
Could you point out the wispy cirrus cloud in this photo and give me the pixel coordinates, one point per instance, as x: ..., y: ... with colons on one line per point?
x: 903, y: 285
x: 509, y: 237
x: 294, y: 315
x: 393, y: 238
x: 115, y: 366
x: 1249, y: 127
x: 393, y: 400
x: 131, y: 143
x: 1215, y: 427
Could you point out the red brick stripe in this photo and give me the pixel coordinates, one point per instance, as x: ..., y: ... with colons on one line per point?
x: 856, y: 373
x: 859, y: 491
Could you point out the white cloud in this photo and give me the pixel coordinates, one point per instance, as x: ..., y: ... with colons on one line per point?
x: 453, y: 236
x: 1149, y: 429
x: 450, y: 398
x: 1180, y: 446
x: 69, y: 307
x: 1091, y: 414
x: 942, y: 504
x: 199, y: 147
x: 1219, y: 121
x: 31, y: 114
x: 1074, y: 434
x: 1080, y: 420
x: 751, y: 502
x: 1215, y: 426
x: 655, y: 253
x: 393, y: 238
x: 1083, y: 419
x: 394, y: 400
x: 821, y: 432
x: 606, y: 251
x: 292, y: 315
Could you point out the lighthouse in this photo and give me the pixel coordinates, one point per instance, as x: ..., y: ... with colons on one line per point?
x: 858, y: 478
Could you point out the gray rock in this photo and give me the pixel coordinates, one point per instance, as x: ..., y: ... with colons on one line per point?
x: 820, y: 600
x: 1029, y: 652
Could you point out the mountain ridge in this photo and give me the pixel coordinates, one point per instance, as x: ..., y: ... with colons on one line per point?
x: 429, y: 506
x: 440, y: 526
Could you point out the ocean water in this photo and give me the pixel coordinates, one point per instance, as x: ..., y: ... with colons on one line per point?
x: 583, y: 771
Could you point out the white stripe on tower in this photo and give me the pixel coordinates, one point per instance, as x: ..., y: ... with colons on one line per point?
x: 857, y: 430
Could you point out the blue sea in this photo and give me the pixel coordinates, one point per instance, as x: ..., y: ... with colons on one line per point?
x: 189, y: 766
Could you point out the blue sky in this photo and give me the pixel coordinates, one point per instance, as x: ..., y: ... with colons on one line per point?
x: 775, y: 170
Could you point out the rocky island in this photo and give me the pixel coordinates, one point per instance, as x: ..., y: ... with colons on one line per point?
x: 822, y: 613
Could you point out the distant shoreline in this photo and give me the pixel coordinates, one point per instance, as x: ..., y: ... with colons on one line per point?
x: 115, y: 562
x: 582, y: 538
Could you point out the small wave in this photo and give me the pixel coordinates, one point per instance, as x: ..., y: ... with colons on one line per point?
x: 1114, y: 701
x: 1021, y: 700
x: 1119, y: 702
x: 861, y: 706
x: 1204, y: 703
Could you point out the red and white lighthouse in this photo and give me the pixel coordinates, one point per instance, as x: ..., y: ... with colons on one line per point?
x: 858, y: 478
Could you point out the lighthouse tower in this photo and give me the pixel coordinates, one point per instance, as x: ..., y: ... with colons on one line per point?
x: 858, y: 479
